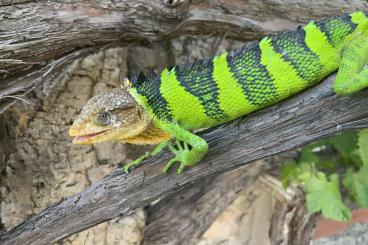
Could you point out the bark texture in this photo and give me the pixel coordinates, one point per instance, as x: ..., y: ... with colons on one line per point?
x: 190, y: 212
x: 239, y: 207
x: 263, y: 213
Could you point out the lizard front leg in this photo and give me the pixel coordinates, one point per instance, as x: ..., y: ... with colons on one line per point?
x: 146, y: 155
x: 187, y: 147
x: 353, y: 71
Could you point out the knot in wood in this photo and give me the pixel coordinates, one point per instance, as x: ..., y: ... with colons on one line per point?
x: 173, y: 3
x: 174, y: 9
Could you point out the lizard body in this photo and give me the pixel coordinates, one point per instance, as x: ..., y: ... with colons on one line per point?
x: 165, y: 107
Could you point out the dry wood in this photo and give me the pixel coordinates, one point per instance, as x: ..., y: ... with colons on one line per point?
x: 312, y: 115
x: 291, y: 223
x: 191, y: 211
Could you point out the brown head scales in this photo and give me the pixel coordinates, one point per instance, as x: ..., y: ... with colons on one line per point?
x: 115, y: 115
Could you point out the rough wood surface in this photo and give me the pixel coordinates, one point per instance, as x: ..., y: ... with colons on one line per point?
x: 191, y: 211
x: 312, y: 115
x: 231, y: 208
x: 291, y: 223
x: 33, y: 33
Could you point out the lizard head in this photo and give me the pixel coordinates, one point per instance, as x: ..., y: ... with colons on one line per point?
x: 114, y: 115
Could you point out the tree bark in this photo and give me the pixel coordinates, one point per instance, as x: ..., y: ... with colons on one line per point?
x: 183, y: 217
x: 34, y: 33
x: 312, y: 115
x: 291, y: 223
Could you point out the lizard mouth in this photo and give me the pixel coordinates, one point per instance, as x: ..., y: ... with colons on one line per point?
x: 88, y: 138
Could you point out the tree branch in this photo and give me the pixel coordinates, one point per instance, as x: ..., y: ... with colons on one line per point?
x: 191, y: 211
x: 312, y: 115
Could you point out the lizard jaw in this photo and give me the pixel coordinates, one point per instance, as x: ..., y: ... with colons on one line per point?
x: 88, y: 138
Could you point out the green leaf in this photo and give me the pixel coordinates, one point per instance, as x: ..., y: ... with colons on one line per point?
x: 305, y: 170
x: 349, y: 179
x: 308, y: 156
x: 361, y: 187
x: 289, y: 173
x: 345, y: 143
x: 346, y: 146
x: 363, y: 145
x: 327, y: 164
x: 355, y: 159
x: 357, y: 183
x: 324, y: 195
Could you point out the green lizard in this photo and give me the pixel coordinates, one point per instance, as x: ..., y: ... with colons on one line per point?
x: 164, y: 108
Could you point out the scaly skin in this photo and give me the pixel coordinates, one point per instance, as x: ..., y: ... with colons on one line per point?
x: 166, y: 107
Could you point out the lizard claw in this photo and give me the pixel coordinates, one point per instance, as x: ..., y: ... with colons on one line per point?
x: 170, y: 164
x: 182, y: 155
x: 126, y: 169
x: 136, y: 162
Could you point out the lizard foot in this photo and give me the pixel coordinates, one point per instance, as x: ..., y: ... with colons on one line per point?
x: 183, y: 154
x: 136, y: 162
x: 146, y: 155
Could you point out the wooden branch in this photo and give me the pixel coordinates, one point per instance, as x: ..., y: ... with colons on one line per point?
x: 35, y: 32
x: 291, y: 223
x: 191, y: 211
x: 5, y: 147
x: 312, y: 115
x: 31, y: 80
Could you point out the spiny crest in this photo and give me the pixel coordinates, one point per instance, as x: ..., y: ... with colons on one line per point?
x: 296, y: 34
x: 152, y: 74
x: 235, y: 53
x: 193, y: 65
x: 137, y: 81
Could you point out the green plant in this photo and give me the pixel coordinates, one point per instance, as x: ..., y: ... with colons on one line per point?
x: 325, y: 177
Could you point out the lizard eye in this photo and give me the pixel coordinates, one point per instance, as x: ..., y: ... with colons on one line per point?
x: 104, y: 118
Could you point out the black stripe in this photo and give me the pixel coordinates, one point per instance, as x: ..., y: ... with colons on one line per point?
x: 252, y: 76
x: 197, y: 79
x: 150, y: 89
x: 336, y: 28
x: 293, y: 49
